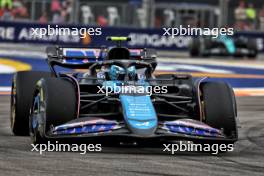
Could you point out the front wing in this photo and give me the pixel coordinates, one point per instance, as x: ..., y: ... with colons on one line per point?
x: 186, y: 129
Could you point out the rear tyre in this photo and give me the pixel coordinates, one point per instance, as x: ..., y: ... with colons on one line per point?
x: 207, y: 45
x: 23, y: 85
x: 195, y: 47
x: 220, y: 107
x: 55, y: 103
x: 252, y: 47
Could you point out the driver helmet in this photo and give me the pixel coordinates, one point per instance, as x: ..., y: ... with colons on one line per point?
x: 116, y: 72
x: 132, y: 73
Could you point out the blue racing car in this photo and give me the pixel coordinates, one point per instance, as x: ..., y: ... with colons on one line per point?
x: 114, y: 93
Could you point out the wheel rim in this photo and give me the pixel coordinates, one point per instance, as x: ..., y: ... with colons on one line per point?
x: 38, y: 109
x: 33, y: 120
x: 13, y: 106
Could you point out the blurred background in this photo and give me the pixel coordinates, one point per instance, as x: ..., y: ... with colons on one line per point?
x: 145, y: 15
x: 240, y: 14
x: 130, y: 18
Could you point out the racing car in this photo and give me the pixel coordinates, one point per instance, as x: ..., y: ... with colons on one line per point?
x: 73, y: 104
x: 223, y: 45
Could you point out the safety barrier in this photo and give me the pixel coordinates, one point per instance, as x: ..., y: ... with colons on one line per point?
x: 20, y: 32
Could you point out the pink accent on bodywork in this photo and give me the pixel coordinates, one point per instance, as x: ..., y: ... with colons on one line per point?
x: 78, y: 93
x: 87, y: 122
x: 192, y: 123
x: 198, y: 94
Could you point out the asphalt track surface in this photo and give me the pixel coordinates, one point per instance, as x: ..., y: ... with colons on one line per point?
x: 16, y: 157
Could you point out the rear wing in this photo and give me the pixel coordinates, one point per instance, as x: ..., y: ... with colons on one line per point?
x: 78, y: 53
x: 84, y: 58
x: 76, y: 57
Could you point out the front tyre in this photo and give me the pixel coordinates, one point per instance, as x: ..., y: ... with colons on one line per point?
x: 23, y: 85
x: 55, y: 103
x: 220, y: 107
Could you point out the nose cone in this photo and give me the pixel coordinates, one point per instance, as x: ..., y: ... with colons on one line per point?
x: 139, y: 114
